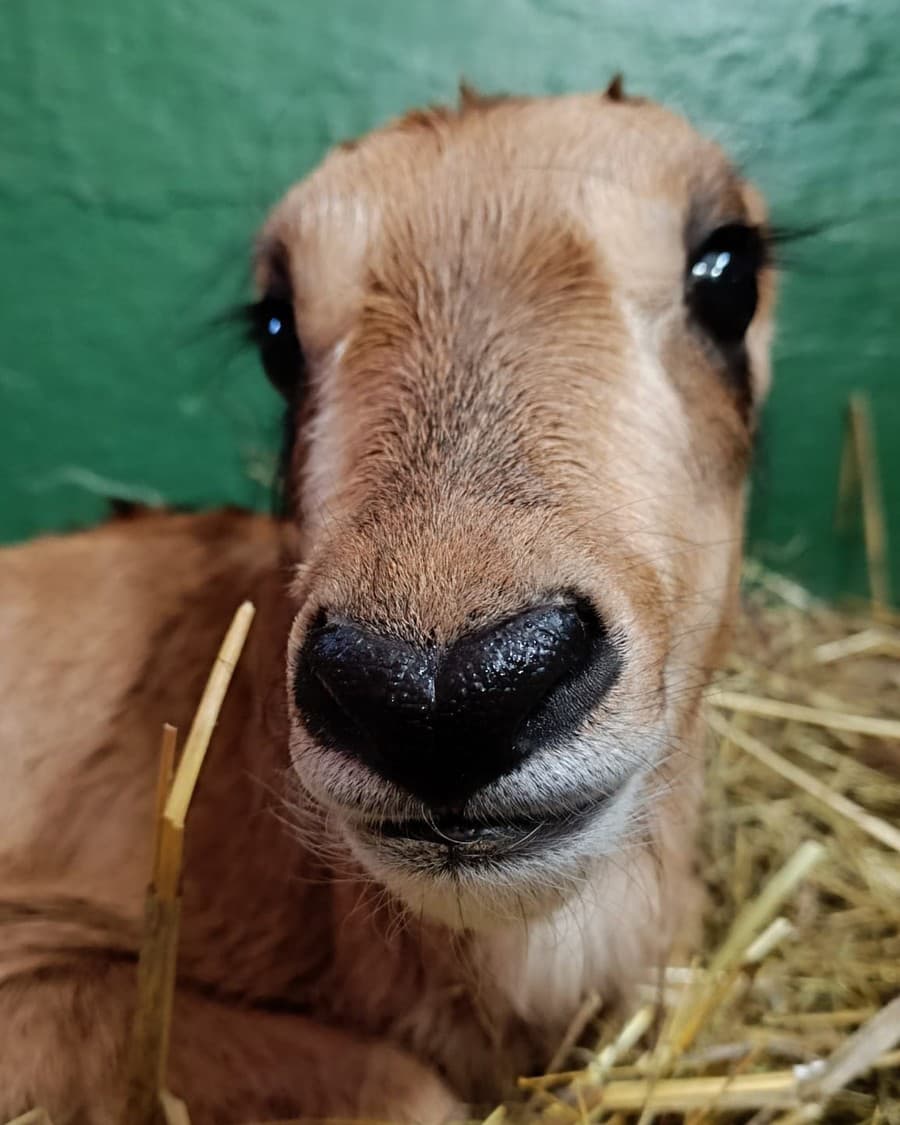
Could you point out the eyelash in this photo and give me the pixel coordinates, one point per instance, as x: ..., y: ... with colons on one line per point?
x: 775, y: 238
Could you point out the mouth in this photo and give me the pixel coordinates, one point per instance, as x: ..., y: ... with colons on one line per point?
x: 469, y: 838
x: 492, y: 860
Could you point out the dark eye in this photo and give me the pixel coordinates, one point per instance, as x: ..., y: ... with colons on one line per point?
x: 721, y: 284
x: 271, y: 327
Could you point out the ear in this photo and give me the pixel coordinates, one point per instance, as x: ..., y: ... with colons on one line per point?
x: 471, y: 99
x: 615, y: 91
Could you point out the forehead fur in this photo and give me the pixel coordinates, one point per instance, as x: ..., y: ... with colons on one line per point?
x: 611, y: 166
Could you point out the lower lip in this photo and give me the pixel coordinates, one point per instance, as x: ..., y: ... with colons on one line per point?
x: 468, y: 837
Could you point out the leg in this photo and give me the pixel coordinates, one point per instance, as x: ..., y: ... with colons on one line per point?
x: 63, y: 1044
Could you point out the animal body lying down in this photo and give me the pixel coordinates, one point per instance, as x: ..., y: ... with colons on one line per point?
x: 521, y: 345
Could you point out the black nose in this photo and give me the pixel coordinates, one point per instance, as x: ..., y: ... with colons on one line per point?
x: 444, y: 722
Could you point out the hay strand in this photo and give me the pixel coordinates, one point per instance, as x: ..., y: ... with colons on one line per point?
x: 167, y: 748
x: 864, y: 478
x: 856, y: 1055
x: 760, y: 910
x: 870, y: 641
x: 682, y: 1095
x: 877, y: 828
x: 207, y: 713
x: 798, y: 713
x: 747, y: 927
x: 147, y: 1100
x: 772, y: 936
x: 174, y: 1110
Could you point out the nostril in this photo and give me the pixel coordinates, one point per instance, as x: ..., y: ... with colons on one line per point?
x: 356, y: 688
x: 588, y: 661
x: 493, y: 679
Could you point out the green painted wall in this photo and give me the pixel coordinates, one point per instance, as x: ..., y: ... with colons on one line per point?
x: 140, y: 144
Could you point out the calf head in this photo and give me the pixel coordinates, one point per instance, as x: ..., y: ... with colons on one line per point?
x: 522, y: 346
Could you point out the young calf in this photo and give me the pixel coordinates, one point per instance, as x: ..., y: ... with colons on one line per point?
x: 522, y: 346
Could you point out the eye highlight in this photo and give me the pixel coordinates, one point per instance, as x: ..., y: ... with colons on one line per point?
x: 721, y: 286
x: 270, y: 326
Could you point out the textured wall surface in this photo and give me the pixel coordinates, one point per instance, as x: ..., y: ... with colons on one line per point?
x: 141, y: 144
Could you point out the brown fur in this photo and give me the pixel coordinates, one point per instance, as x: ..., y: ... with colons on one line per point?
x: 504, y: 399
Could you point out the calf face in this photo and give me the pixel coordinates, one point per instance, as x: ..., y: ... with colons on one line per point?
x: 522, y: 346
